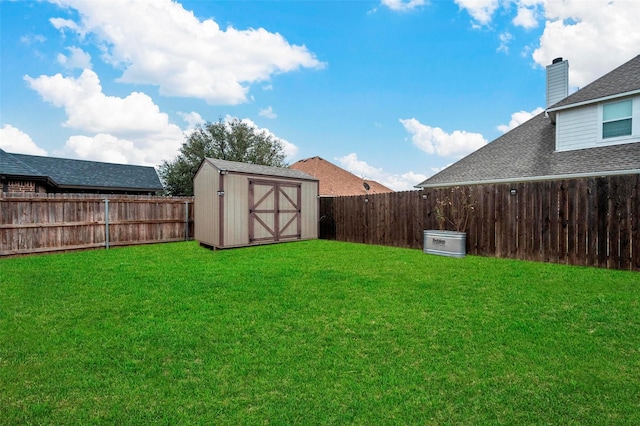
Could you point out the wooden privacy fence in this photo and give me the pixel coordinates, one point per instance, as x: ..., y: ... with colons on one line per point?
x: 587, y: 221
x: 36, y: 223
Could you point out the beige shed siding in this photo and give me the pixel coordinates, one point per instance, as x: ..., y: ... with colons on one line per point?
x: 206, y: 207
x: 236, y: 210
x: 309, y: 209
x: 232, y: 230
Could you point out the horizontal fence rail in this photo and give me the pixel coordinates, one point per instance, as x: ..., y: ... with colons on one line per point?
x: 38, y: 223
x: 587, y: 221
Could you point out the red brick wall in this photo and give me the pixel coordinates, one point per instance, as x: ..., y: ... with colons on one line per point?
x: 24, y: 186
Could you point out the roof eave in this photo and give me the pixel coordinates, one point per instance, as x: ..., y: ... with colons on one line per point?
x: 237, y: 172
x: 40, y: 178
x: 109, y: 188
x: 593, y: 101
x: 531, y: 178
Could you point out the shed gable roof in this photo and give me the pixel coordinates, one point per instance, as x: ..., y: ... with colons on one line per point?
x: 256, y: 169
x: 336, y: 181
x: 68, y: 173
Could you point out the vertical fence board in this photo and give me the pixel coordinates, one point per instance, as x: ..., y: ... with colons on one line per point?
x: 602, y: 199
x: 634, y: 200
x: 521, y: 220
x: 572, y: 222
x: 614, y: 215
x: 624, y: 201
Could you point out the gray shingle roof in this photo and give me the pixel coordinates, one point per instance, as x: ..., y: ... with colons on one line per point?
x: 68, y: 173
x: 10, y: 165
x: 528, y: 152
x: 255, y: 169
x: 624, y: 79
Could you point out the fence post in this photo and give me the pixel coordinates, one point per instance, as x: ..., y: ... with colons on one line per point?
x: 106, y: 223
x: 186, y: 221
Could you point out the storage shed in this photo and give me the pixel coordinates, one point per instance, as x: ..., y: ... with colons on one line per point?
x: 239, y: 204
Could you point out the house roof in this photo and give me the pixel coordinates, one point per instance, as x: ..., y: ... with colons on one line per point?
x: 528, y: 153
x: 335, y: 181
x: 81, y: 174
x: 622, y: 80
x: 256, y: 169
x: 10, y: 165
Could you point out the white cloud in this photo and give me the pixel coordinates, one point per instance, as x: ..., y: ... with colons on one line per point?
x: 30, y: 39
x: 595, y: 36
x: 403, y: 5
x: 15, y: 140
x: 105, y: 147
x: 434, y: 140
x: 480, y: 10
x: 193, y: 119
x: 526, y: 18
x: 111, y: 120
x: 77, y: 58
x: 268, y: 112
x: 160, y: 43
x: 89, y: 109
x: 402, y: 182
x: 64, y: 24
x: 517, y: 118
x: 505, y: 39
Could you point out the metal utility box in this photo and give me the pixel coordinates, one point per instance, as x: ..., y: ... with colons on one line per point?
x: 445, y: 243
x: 239, y: 204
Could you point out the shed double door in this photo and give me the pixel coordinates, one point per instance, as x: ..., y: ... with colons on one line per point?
x: 274, y: 211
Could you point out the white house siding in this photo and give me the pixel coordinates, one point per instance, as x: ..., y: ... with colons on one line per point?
x: 581, y: 127
x: 577, y: 128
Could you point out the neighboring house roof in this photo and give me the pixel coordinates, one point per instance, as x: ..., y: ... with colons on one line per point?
x: 80, y: 174
x: 256, y: 169
x: 10, y: 165
x: 335, y: 181
x: 528, y: 152
x: 623, y: 80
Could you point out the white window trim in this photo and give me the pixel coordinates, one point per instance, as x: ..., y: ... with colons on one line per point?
x: 635, y: 123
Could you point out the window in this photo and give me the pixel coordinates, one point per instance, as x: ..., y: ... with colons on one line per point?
x: 616, y: 119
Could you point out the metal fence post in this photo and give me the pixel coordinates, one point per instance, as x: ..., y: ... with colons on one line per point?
x: 106, y: 223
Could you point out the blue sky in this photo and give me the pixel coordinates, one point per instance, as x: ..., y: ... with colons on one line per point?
x: 391, y: 90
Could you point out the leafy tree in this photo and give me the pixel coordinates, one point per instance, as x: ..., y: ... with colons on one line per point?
x: 233, y: 140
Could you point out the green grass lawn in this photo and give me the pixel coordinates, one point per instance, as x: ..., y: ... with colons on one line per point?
x: 314, y: 332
